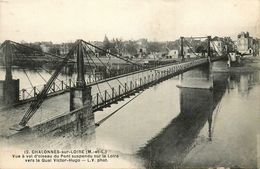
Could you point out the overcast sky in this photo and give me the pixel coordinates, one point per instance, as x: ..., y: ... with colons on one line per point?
x: 68, y: 20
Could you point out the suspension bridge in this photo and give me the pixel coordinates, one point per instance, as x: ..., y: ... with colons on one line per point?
x: 88, y: 93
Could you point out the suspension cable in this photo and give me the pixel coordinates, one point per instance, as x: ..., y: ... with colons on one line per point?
x: 107, y: 117
x: 41, y: 76
x: 38, y: 64
x: 139, y: 65
x: 37, y: 72
x: 103, y: 63
x: 41, y: 96
x: 45, y: 53
x: 112, y: 54
x: 214, y: 46
x: 28, y: 78
x: 85, y: 50
x: 191, y: 48
x: 93, y: 76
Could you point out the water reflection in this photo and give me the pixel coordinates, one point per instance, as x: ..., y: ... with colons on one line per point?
x: 244, y: 82
x: 171, y: 145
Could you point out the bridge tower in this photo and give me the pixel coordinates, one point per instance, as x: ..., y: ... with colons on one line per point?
x: 182, y: 52
x: 9, y: 88
x: 80, y: 96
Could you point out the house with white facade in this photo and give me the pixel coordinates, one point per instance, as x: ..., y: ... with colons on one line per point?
x: 245, y: 43
x: 173, y: 53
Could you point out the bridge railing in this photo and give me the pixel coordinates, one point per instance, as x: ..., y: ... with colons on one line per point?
x: 106, y: 97
x: 57, y: 86
x: 28, y: 93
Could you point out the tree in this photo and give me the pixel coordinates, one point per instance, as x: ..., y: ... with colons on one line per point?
x: 201, y: 48
x: 154, y: 47
x: 34, y: 49
x: 117, y: 46
x: 229, y: 44
x: 54, y: 50
x: 131, y: 47
x: 112, y: 47
x: 35, y: 46
x: 106, y: 43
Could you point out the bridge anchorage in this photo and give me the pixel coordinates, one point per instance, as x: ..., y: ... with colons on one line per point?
x: 89, y: 97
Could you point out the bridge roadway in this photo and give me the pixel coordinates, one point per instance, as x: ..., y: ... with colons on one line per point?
x: 136, y: 82
x: 122, y: 84
x: 104, y: 93
x: 108, y: 90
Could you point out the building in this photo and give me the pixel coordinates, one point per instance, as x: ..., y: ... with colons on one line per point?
x: 155, y: 55
x: 174, y: 50
x: 173, y: 53
x: 188, y: 51
x: 245, y: 43
x: 142, y: 47
x: 217, y: 45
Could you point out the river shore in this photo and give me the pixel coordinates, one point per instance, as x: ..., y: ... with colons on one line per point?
x: 248, y: 64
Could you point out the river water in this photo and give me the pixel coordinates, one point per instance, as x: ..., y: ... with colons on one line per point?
x: 167, y: 126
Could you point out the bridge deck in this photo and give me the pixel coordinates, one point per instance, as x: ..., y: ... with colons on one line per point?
x: 140, y: 81
x: 61, y: 87
x: 131, y: 84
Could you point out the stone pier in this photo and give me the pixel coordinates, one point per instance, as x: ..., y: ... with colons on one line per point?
x: 199, y: 78
x: 81, y: 99
x: 81, y: 102
x: 9, y: 92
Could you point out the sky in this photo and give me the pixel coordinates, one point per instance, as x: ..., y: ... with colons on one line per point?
x: 162, y: 20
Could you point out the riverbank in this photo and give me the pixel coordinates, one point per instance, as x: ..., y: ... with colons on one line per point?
x: 248, y: 64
